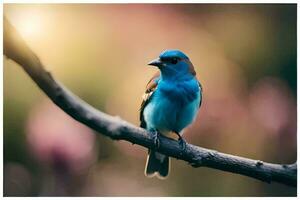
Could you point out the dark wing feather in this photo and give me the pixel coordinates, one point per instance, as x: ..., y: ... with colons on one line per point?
x: 201, y: 91
x: 193, y: 72
x: 150, y: 88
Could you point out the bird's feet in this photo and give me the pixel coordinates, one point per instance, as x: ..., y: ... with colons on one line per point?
x: 155, y: 136
x: 182, y: 142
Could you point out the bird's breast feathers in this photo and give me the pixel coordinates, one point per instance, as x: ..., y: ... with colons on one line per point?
x: 183, y: 92
x: 172, y: 106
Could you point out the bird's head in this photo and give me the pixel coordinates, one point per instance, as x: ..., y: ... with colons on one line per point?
x: 174, y: 64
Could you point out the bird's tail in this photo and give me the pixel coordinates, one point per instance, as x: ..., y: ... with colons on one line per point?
x: 157, y: 165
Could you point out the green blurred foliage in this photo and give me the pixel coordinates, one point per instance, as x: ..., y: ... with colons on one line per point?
x: 245, y: 58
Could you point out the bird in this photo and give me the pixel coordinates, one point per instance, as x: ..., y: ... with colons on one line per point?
x: 170, y: 103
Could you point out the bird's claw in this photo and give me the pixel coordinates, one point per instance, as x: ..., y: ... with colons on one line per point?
x: 156, y: 139
x: 182, y: 144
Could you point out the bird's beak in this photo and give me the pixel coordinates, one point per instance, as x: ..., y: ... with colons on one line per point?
x: 156, y: 62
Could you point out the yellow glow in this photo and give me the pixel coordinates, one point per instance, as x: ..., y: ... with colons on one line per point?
x: 30, y: 26
x: 29, y: 21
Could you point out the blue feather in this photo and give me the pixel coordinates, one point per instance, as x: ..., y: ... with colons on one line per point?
x: 173, y: 106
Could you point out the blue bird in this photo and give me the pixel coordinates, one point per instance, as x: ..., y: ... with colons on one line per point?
x: 170, y: 103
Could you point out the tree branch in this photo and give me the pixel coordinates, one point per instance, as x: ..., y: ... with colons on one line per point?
x: 16, y: 49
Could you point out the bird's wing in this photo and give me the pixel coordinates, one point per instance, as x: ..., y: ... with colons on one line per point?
x: 201, y: 91
x: 193, y: 72
x: 150, y: 88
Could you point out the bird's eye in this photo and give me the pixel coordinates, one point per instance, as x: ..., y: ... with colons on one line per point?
x: 174, y: 60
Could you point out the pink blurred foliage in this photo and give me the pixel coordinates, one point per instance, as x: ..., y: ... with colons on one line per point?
x: 272, y: 105
x: 55, y: 138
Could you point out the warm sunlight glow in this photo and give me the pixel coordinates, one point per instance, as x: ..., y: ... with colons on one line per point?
x: 29, y: 21
x: 31, y: 26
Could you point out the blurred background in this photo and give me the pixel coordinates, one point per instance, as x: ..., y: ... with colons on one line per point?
x: 245, y: 58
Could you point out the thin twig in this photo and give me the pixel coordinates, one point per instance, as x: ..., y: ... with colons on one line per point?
x: 16, y: 49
